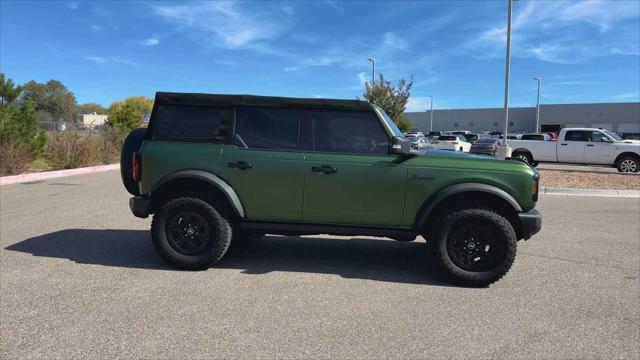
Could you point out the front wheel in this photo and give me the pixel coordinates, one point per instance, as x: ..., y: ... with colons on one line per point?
x: 628, y: 164
x: 474, y: 246
x: 189, y: 233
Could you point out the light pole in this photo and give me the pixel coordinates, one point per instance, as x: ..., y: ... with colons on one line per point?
x: 373, y: 69
x: 506, y: 80
x: 539, y: 79
x: 431, y: 114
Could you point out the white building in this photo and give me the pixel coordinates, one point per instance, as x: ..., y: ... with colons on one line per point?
x: 92, y: 120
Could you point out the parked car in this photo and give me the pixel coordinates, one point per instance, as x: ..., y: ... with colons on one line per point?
x: 460, y: 132
x: 554, y: 136
x: 486, y: 146
x: 539, y: 137
x: 496, y: 134
x: 582, y: 146
x: 452, y: 142
x: 434, y: 133
x: 218, y: 169
x: 414, y: 134
x: 420, y: 142
x: 471, y: 138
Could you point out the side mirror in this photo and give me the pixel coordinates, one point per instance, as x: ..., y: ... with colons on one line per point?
x: 400, y: 146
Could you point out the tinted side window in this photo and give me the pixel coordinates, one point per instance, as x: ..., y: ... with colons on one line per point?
x: 180, y: 122
x: 266, y: 128
x: 348, y: 132
x: 596, y: 136
x: 532, y: 137
x: 577, y: 136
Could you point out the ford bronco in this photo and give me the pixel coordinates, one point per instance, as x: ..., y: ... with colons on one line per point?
x: 216, y: 169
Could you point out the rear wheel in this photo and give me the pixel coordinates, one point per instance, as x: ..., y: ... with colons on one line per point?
x: 473, y: 247
x: 524, y: 157
x: 628, y: 164
x: 461, y: 149
x: 189, y: 233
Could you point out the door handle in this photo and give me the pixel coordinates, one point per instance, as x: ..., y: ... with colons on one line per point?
x: 240, y: 165
x: 589, y: 144
x: 563, y: 144
x: 325, y: 169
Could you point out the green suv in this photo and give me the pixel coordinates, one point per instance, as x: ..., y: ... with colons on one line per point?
x: 217, y: 169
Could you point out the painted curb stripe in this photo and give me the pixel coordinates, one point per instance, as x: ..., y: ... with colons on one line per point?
x: 16, y: 179
x: 591, y: 192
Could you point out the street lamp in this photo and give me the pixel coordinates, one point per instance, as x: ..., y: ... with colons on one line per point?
x: 431, y: 113
x: 506, y: 80
x: 373, y: 69
x: 539, y: 79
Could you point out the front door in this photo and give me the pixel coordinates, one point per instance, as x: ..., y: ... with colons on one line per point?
x: 264, y: 165
x: 571, y: 148
x: 349, y: 177
x: 598, y: 151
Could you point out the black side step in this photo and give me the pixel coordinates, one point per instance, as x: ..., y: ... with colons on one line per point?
x: 331, y: 229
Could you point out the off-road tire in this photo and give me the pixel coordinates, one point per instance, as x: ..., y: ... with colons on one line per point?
x: 131, y: 144
x: 219, y: 239
x: 629, y: 160
x: 439, y: 235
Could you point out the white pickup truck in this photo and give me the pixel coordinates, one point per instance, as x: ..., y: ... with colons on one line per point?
x: 581, y: 146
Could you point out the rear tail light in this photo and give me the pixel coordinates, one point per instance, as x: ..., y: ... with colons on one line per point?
x: 137, y: 166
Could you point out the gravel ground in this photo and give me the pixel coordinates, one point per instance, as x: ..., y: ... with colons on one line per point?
x: 578, y: 180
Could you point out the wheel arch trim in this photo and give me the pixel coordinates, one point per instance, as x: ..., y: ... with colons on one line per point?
x: 441, y: 195
x: 207, y: 177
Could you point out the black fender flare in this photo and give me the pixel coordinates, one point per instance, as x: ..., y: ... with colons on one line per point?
x: 435, y: 199
x: 210, y: 178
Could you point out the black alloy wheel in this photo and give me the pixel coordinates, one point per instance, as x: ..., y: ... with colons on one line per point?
x: 473, y: 247
x: 188, y: 233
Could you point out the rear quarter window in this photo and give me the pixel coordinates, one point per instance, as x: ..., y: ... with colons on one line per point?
x: 188, y: 123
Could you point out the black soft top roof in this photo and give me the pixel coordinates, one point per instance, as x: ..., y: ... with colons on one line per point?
x: 171, y: 98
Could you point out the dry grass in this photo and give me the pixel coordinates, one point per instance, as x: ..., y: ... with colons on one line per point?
x: 583, y: 180
x: 14, y: 157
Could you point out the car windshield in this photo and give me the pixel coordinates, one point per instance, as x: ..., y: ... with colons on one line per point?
x: 612, y: 135
x: 390, y: 123
x: 448, y: 138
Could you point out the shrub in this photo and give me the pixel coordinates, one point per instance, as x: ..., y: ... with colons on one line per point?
x: 68, y: 150
x: 14, y: 157
x: 19, y: 124
x: 106, y: 147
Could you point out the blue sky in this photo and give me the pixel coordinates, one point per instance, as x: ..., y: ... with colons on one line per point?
x: 105, y: 51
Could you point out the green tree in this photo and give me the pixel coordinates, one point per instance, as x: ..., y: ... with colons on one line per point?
x: 8, y: 91
x: 142, y: 104
x: 124, y: 118
x: 21, y: 126
x: 52, y: 100
x: 392, y: 99
x: 90, y: 108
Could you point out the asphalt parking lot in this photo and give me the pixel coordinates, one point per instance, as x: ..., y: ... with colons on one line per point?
x: 79, y: 278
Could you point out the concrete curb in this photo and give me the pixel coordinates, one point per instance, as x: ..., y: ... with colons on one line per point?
x: 16, y: 179
x: 591, y: 192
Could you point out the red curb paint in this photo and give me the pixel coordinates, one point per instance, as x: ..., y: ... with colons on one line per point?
x: 16, y: 179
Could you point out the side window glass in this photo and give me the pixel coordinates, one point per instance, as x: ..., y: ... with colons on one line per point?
x: 180, y: 122
x: 596, y: 136
x: 577, y: 136
x: 266, y: 128
x: 348, y: 132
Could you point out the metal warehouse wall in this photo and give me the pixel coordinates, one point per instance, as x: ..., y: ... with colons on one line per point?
x: 619, y: 117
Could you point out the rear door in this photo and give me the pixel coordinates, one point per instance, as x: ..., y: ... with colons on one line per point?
x: 350, y: 178
x: 571, y: 148
x: 265, y: 165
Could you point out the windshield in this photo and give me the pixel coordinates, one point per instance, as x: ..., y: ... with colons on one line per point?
x: 391, y: 125
x: 612, y: 135
x: 486, y: 141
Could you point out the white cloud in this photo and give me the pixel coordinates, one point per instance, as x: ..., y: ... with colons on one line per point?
x: 395, y: 42
x: 72, y: 5
x: 629, y: 95
x: 110, y: 59
x: 150, y: 42
x: 96, y: 28
x: 334, y: 6
x: 563, y: 31
x: 418, y: 103
x: 226, y: 23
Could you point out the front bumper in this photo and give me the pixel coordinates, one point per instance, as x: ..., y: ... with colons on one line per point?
x: 139, y: 206
x: 531, y: 223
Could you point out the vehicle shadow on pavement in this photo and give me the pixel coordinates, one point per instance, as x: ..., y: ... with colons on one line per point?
x: 354, y: 258
x: 118, y: 248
